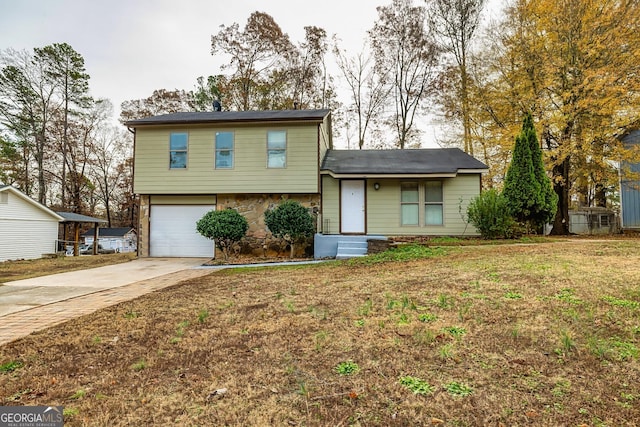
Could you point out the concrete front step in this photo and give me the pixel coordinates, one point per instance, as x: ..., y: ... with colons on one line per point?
x: 351, y: 249
x: 326, y: 245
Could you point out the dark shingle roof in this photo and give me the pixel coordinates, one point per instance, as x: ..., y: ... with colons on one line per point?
x: 109, y: 232
x: 400, y: 162
x: 74, y: 217
x: 232, y: 116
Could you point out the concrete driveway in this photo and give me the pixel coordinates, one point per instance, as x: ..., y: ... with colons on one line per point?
x: 26, y: 294
x: 31, y: 305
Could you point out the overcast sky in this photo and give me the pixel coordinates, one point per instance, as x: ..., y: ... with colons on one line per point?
x: 133, y: 47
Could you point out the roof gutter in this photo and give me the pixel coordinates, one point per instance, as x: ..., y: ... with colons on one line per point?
x: 388, y: 175
x: 473, y: 170
x: 141, y: 122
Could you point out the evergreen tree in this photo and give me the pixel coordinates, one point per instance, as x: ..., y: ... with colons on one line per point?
x: 521, y: 188
x: 546, y: 212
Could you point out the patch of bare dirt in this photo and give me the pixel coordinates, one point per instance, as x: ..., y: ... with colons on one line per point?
x: 252, y: 259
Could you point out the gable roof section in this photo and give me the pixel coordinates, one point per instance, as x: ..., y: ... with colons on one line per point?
x: 232, y: 117
x: 429, y: 162
x: 110, y: 232
x: 29, y: 200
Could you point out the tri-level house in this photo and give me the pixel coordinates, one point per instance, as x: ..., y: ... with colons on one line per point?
x: 189, y: 163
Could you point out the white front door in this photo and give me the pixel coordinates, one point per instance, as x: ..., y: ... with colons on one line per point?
x: 352, y: 206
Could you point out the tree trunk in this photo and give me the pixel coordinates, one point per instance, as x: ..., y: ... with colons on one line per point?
x: 65, y: 141
x: 601, y: 195
x: 466, y: 119
x: 39, y: 155
x: 561, y: 187
x: 293, y: 250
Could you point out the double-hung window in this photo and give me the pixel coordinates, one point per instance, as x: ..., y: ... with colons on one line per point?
x: 224, y: 150
x: 178, y: 144
x: 421, y: 203
x: 433, y: 203
x: 276, y: 149
x: 409, y: 203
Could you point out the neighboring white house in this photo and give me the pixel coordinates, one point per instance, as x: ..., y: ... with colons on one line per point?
x: 121, y: 239
x: 28, y: 230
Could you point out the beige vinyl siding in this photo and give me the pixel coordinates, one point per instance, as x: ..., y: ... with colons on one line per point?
x: 26, y: 232
x: 330, y: 205
x: 325, y: 138
x: 383, y: 207
x: 249, y: 173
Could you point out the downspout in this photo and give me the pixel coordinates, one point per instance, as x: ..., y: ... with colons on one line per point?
x: 319, y: 215
x: 329, y: 136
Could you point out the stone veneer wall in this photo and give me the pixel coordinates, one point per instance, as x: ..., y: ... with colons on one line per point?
x: 259, y: 241
x: 143, y: 226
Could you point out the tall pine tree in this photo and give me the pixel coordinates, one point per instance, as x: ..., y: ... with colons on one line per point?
x: 546, y: 212
x: 527, y: 189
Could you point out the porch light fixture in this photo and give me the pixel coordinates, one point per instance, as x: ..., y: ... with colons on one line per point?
x: 376, y: 186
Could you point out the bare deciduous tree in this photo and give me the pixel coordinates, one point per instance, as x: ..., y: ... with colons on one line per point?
x: 256, y: 51
x: 455, y: 23
x: 404, y: 44
x: 162, y: 101
x: 368, y: 88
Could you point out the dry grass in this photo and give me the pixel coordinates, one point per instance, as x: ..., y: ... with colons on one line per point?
x: 544, y: 334
x: 26, y: 269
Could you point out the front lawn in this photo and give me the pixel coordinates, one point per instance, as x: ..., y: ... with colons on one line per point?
x: 541, y: 334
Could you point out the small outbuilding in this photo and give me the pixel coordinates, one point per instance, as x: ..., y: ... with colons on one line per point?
x: 119, y: 239
x: 28, y: 229
x: 593, y: 220
x: 71, y: 246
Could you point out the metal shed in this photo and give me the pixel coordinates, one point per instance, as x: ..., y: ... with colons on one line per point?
x: 593, y: 220
x: 630, y: 186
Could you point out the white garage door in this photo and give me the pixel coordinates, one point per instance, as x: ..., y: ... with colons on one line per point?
x: 173, y: 232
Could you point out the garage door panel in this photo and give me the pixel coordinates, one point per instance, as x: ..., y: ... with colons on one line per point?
x: 173, y: 231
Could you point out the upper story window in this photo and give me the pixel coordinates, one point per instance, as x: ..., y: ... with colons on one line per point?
x: 178, y: 144
x: 4, y: 197
x: 433, y: 203
x: 276, y: 149
x: 409, y: 203
x: 224, y: 150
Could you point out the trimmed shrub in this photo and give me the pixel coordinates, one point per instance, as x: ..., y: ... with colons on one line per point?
x: 489, y: 214
x: 291, y: 222
x: 224, y: 227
